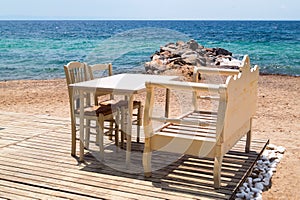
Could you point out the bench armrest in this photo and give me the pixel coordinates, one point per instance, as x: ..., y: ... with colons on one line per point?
x: 213, y: 71
x: 192, y: 86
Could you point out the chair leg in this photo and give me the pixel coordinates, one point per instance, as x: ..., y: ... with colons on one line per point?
x: 110, y: 132
x: 147, y: 158
x: 139, y: 122
x: 97, y: 132
x: 117, y: 121
x: 217, y: 171
x: 101, y: 136
x: 87, y: 134
x: 73, y: 137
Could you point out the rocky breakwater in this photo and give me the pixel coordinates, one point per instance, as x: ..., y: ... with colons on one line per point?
x: 181, y: 57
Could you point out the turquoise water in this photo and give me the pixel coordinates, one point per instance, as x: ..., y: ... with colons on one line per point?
x: 39, y: 49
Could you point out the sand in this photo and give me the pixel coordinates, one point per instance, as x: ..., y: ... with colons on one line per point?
x: 277, y: 119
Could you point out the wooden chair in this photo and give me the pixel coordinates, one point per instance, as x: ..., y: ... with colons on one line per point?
x: 97, y: 71
x: 204, y: 133
x: 77, y: 72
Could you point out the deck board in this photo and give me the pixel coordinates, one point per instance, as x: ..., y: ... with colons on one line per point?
x: 36, y: 164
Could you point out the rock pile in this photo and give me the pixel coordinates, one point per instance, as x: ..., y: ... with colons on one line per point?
x: 260, y: 178
x: 181, y: 57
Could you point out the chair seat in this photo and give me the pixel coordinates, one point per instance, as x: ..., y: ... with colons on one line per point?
x: 109, y: 108
x: 136, y: 104
x: 106, y: 109
x: 121, y: 103
x: 96, y: 110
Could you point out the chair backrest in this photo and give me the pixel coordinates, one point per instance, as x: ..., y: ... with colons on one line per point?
x: 100, y: 70
x: 76, y: 72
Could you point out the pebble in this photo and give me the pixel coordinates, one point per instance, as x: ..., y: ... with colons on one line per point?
x: 258, y: 196
x: 261, y: 174
x: 256, y: 180
x: 240, y: 195
x: 280, y: 149
x: 259, y: 186
x: 255, y: 190
x: 250, y: 180
x: 266, y: 182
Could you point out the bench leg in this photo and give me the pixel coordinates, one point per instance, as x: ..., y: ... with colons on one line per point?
x: 248, y: 138
x: 248, y: 142
x: 139, y: 122
x: 217, y: 171
x: 147, y: 158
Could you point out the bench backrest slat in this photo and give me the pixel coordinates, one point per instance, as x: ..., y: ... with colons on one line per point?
x: 241, y: 103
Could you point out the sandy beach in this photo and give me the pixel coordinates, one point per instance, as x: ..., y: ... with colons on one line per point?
x: 277, y: 118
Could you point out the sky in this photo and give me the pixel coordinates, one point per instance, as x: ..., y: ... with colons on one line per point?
x: 151, y: 10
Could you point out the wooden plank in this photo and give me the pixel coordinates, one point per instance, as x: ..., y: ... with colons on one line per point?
x: 43, y: 170
x: 7, y: 195
x: 11, y: 189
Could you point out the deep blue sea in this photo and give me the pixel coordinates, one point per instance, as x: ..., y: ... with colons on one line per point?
x: 39, y: 49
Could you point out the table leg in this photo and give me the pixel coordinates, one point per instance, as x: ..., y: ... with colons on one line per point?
x: 129, y: 129
x: 167, y: 103
x: 81, y: 126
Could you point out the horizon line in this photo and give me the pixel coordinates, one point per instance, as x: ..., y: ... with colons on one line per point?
x: 93, y: 19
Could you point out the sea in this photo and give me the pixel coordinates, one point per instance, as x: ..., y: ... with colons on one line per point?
x: 38, y: 49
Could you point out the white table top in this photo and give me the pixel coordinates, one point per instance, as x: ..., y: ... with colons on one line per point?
x: 121, y: 83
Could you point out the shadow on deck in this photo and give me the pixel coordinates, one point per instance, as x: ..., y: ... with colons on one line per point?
x: 36, y: 164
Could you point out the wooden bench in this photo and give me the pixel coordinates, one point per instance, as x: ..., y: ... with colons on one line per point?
x: 204, y: 133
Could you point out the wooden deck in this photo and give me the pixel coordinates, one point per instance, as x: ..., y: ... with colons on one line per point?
x: 36, y: 164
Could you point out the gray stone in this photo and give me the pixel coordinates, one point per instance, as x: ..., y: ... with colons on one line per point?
x: 240, y: 195
x: 259, y: 185
x: 167, y: 49
x: 193, y: 45
x: 255, y: 190
x: 180, y: 43
x: 256, y: 180
x: 280, y: 149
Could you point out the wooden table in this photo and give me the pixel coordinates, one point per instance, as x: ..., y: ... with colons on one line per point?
x: 121, y: 84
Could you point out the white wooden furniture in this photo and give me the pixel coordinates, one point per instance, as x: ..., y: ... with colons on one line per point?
x: 101, y: 70
x: 77, y: 72
x: 98, y: 71
x: 122, y: 84
x: 204, y: 133
x: 218, y: 70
